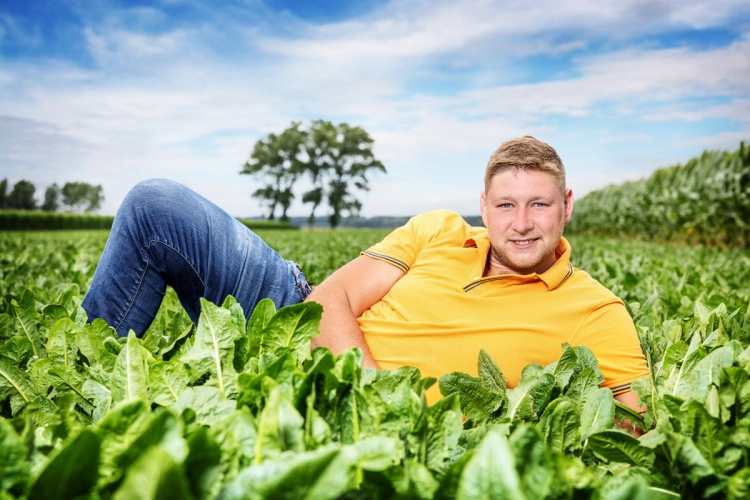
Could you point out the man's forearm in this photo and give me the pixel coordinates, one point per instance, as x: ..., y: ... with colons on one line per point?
x: 339, y: 329
x: 345, y: 295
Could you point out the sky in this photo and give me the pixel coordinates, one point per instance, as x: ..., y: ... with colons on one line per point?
x: 114, y: 92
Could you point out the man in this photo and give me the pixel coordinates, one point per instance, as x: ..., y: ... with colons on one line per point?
x: 436, y: 291
x: 430, y: 295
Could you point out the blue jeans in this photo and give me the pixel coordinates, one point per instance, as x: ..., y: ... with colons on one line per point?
x: 166, y: 234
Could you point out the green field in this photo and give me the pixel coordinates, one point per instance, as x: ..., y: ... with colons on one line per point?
x: 237, y: 409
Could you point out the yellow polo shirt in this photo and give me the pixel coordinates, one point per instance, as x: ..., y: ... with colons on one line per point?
x: 440, y: 314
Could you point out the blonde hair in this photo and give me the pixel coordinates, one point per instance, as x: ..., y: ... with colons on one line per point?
x: 525, y: 153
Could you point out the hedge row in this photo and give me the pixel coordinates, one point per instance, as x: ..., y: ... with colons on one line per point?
x: 34, y: 220
x: 21, y: 220
x: 706, y: 201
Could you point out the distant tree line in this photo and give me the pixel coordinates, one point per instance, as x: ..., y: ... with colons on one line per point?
x: 378, y: 221
x: 73, y: 196
x: 336, y: 159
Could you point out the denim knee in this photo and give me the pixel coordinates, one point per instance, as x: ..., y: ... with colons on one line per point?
x: 151, y: 190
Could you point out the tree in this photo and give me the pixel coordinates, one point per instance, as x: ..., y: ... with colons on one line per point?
x: 3, y: 194
x: 319, y: 139
x: 22, y: 196
x: 279, y: 160
x: 51, y: 198
x: 82, y: 196
x: 351, y: 159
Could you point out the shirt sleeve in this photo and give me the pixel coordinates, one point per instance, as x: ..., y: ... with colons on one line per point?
x: 401, y: 247
x: 609, y: 332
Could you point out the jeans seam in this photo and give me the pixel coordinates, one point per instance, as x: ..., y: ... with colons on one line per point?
x: 132, y: 301
x: 181, y: 255
x: 143, y: 273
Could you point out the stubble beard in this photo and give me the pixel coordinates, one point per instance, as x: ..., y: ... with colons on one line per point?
x: 526, y: 264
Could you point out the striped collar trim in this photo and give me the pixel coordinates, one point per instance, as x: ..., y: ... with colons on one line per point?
x: 553, y: 277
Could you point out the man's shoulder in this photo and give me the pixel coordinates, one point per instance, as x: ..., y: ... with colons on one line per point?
x: 584, y: 285
x: 441, y: 224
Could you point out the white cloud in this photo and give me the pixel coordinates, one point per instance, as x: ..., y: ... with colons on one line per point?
x: 169, y: 104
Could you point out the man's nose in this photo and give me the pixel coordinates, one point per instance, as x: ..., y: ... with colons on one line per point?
x: 522, y: 223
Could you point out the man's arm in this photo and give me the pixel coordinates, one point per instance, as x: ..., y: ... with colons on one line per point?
x: 345, y: 295
x: 630, y: 399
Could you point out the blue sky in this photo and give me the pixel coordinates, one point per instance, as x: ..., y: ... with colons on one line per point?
x: 113, y: 92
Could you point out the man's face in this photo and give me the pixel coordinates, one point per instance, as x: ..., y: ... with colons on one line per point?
x: 524, y: 213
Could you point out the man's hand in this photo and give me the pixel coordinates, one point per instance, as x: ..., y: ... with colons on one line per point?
x: 630, y: 399
x: 345, y: 295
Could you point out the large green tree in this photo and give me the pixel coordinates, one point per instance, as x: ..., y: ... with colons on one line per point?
x: 51, y: 198
x: 279, y: 160
x: 337, y: 160
x: 22, y: 196
x: 81, y: 196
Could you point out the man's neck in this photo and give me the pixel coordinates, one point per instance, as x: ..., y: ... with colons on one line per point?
x: 493, y: 266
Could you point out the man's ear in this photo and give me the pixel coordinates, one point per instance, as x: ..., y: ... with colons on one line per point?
x: 483, y: 207
x: 568, y: 201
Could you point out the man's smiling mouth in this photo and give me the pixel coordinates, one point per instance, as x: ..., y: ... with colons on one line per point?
x: 524, y: 243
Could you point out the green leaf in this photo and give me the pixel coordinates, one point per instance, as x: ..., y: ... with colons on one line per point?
x: 28, y: 318
x: 325, y: 473
x: 559, y: 425
x: 443, y: 430
x: 319, y: 474
x: 708, y: 433
x: 18, y: 349
x: 280, y: 428
x: 14, y: 469
x: 130, y: 375
x: 96, y: 390
x: 490, y: 373
x: 533, y: 463
x: 165, y: 431
x: 262, y: 314
x: 582, y: 387
x: 55, y: 311
x: 598, y: 413
x: 155, y: 476
x: 530, y: 397
x: 491, y: 471
x: 66, y: 378
x: 738, y: 487
x: 616, y: 446
x: 72, y: 472
x: 168, y: 380
x: 213, y: 349
x: 203, y: 464
x: 92, y: 347
x: 586, y: 359
x: 117, y: 431
x: 15, y: 382
x: 565, y: 367
x: 207, y: 402
x: 293, y: 327
x: 61, y: 347
x: 236, y: 312
x: 242, y: 427
x: 478, y: 403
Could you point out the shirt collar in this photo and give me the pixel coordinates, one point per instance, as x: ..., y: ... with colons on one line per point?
x: 553, y: 277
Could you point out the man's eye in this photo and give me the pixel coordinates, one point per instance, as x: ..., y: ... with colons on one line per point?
x: 504, y: 205
x: 540, y: 204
